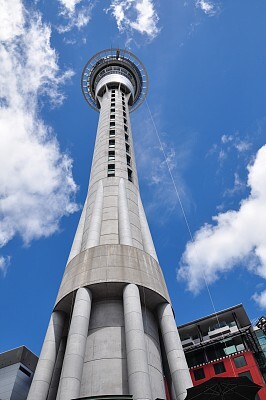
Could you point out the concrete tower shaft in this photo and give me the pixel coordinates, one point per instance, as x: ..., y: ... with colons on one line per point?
x: 112, y: 331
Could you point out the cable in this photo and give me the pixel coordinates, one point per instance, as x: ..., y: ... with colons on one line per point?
x: 184, y: 216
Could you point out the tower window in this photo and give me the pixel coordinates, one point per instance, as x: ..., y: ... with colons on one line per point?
x: 112, y: 104
x: 111, y: 155
x: 128, y: 160
x: 129, y: 174
x: 123, y: 102
x: 112, y: 110
x: 113, y: 90
x: 125, y: 128
x: 127, y: 148
x: 124, y: 108
x: 111, y: 143
x: 111, y: 170
x: 112, y: 96
x: 112, y: 133
x: 112, y: 116
x: 112, y: 123
x: 125, y: 121
x: 124, y: 114
x: 126, y: 137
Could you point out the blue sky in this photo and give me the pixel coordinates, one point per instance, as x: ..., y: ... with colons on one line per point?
x: 206, y: 63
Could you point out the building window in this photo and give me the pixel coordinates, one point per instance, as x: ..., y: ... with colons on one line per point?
x: 125, y: 121
x: 129, y: 174
x: 123, y: 102
x: 124, y: 114
x: 112, y: 110
x: 128, y: 160
x: 247, y: 374
x: 240, y: 361
x: 199, y: 374
x: 124, y: 108
x: 111, y: 143
x: 111, y: 170
x: 111, y: 155
x: 112, y: 123
x: 219, y: 368
x: 127, y: 148
x: 112, y: 133
x: 125, y: 128
x: 126, y: 137
x: 113, y: 90
x: 25, y: 371
x: 112, y: 104
x: 112, y: 116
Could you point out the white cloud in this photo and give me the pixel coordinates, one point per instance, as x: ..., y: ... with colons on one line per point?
x: 207, y: 7
x: 11, y: 19
x: 239, y: 185
x: 69, y: 5
x: 260, y: 299
x: 76, y: 12
x: 36, y: 183
x: 138, y: 15
x: 236, y: 237
x: 4, y: 264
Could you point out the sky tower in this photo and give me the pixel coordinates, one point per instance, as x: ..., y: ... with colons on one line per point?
x: 112, y: 330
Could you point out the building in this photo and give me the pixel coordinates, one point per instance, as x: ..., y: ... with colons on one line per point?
x: 17, y: 367
x: 260, y: 332
x: 223, y: 344
x: 112, y: 331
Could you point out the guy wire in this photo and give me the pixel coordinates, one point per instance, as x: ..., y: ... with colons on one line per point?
x: 184, y: 214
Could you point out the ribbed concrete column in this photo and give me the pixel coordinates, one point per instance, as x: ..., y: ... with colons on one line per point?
x: 44, y: 371
x: 76, y: 246
x: 137, y: 363
x: 57, y: 370
x: 145, y: 230
x: 75, y: 350
x: 96, y: 219
x: 174, y: 352
x: 125, y: 236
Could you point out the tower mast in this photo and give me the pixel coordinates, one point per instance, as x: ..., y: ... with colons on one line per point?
x: 112, y: 331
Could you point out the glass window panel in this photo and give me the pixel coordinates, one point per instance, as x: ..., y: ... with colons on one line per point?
x: 199, y: 374
x: 240, y: 361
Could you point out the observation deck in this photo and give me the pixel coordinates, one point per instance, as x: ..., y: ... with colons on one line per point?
x: 114, y: 68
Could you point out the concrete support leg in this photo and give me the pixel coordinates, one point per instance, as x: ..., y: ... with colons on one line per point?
x: 75, y: 349
x: 137, y: 363
x: 57, y: 370
x: 44, y: 371
x: 174, y: 352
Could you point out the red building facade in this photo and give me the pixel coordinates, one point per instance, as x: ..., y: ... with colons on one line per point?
x: 223, y: 345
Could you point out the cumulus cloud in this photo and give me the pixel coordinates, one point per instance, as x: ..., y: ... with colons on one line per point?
x: 77, y: 13
x: 138, y: 15
x: 235, y: 237
x: 36, y: 183
x: 208, y: 7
